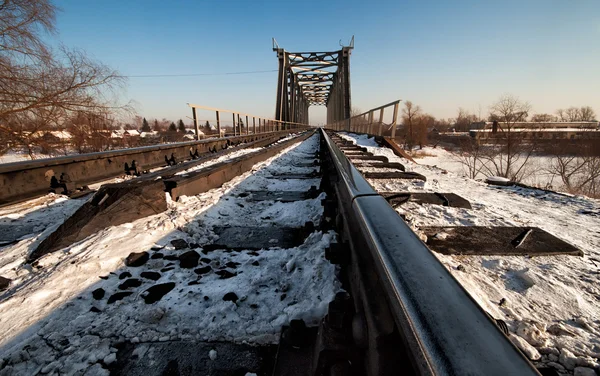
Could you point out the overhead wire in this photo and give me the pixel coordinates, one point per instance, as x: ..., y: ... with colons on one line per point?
x: 197, y: 74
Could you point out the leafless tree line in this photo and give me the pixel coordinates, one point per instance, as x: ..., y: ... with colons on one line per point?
x: 509, y: 153
x: 417, y: 125
x: 44, y: 88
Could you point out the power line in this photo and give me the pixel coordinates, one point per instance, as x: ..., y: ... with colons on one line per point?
x: 198, y: 74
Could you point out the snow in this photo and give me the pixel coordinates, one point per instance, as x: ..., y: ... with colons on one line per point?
x: 223, y: 158
x: 536, y: 173
x: 498, y: 180
x: 13, y: 156
x: 547, y: 293
x: 45, y: 316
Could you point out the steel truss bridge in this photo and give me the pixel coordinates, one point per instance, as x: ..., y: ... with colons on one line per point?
x: 313, y: 79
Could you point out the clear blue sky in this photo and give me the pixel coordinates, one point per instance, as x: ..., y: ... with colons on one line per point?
x: 440, y: 54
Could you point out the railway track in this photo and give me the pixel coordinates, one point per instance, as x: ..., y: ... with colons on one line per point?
x: 297, y: 267
x: 21, y: 181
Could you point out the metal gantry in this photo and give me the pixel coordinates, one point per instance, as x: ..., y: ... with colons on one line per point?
x: 313, y: 79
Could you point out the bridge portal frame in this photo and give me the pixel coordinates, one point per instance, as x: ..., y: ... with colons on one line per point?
x: 313, y: 79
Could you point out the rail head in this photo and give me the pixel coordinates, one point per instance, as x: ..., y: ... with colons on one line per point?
x: 446, y: 331
x: 47, y: 162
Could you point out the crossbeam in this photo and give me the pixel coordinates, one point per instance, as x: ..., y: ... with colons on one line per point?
x: 313, y: 79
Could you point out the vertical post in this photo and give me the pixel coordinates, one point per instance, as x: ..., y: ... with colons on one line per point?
x: 233, y: 122
x: 247, y: 126
x: 196, y: 123
x: 394, y: 121
x: 292, y: 105
x: 346, y: 82
x: 218, y: 125
x: 370, y: 129
x: 280, y: 83
x: 381, y: 122
x: 254, y: 125
x: 239, y: 125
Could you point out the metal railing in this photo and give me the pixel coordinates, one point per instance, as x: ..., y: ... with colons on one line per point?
x: 371, y: 122
x: 259, y: 124
x: 443, y: 329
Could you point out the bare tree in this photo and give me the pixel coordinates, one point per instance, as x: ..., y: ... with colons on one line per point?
x: 587, y: 114
x: 580, y: 174
x: 584, y: 113
x: 409, y: 114
x: 544, y: 118
x: 464, y: 119
x: 22, y: 23
x: 472, y: 156
x: 41, y: 88
x: 422, y: 125
x: 158, y: 127
x: 511, y: 151
x: 137, y: 122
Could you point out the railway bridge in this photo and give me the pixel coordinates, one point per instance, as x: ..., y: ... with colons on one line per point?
x: 396, y: 308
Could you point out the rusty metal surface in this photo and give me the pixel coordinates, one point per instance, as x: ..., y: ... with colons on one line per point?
x: 397, y: 149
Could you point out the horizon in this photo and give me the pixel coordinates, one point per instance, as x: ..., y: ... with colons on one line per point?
x: 443, y: 56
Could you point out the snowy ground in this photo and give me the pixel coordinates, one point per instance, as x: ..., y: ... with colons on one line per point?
x: 536, y: 174
x: 52, y: 322
x: 551, y: 303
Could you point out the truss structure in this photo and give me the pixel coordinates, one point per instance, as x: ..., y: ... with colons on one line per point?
x: 313, y: 79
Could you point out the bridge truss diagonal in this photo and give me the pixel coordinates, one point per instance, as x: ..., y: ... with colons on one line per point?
x: 313, y: 79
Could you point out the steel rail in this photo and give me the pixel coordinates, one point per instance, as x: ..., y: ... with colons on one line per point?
x: 118, y: 203
x: 28, y: 179
x: 442, y: 327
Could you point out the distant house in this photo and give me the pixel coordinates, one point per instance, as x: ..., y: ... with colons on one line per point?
x: 148, y: 134
x: 191, y: 135
x: 131, y: 133
x: 193, y: 132
x: 540, y: 130
x: 537, y: 125
x: 53, y: 136
x: 117, y: 133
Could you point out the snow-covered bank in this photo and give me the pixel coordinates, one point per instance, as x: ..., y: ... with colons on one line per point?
x: 536, y: 174
x: 552, y: 302
x: 63, y: 314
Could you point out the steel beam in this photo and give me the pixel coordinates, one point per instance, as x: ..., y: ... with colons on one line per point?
x: 196, y: 124
x: 313, y: 79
